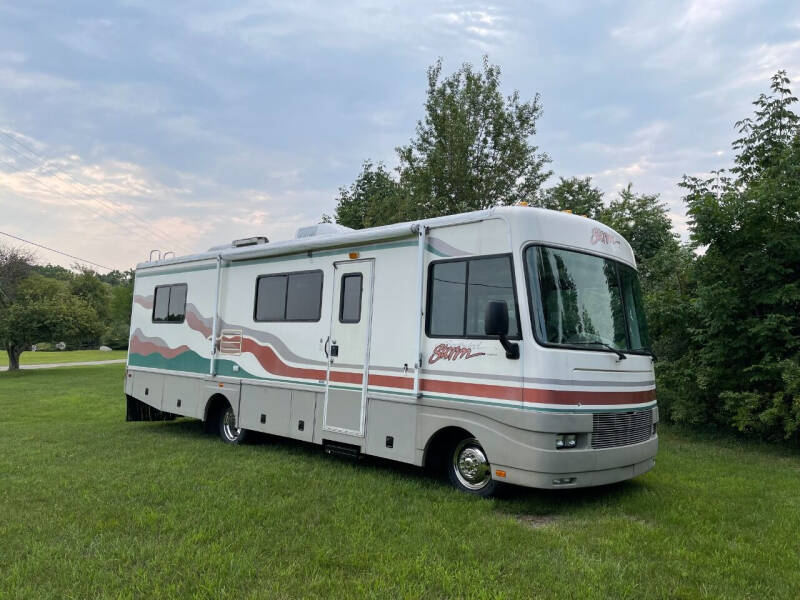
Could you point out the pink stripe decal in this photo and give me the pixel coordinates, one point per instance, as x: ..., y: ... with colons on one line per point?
x: 273, y: 364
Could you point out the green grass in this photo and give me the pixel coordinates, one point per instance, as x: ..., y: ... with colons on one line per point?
x: 91, y: 506
x: 68, y: 356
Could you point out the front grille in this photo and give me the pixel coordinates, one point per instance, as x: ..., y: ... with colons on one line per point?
x: 621, y: 428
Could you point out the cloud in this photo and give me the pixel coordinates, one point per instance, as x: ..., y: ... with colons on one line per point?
x: 18, y: 80
x: 680, y: 37
x: 115, y: 212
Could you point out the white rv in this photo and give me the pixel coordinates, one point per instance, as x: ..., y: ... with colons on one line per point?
x: 506, y: 345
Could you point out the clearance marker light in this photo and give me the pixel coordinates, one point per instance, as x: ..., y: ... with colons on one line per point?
x: 500, y: 472
x: 353, y: 255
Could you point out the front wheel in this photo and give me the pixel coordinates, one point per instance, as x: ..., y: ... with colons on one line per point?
x: 228, y: 431
x: 469, y: 469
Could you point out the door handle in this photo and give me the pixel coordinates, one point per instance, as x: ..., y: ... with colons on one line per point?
x: 325, y: 347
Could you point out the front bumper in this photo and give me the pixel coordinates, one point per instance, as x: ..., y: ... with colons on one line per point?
x: 583, y: 468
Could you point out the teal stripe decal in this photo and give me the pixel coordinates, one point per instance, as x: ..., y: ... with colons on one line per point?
x: 191, y: 362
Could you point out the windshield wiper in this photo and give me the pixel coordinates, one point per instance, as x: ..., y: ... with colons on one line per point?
x: 610, y: 348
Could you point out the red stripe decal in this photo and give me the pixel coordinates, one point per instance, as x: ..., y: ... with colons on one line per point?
x: 539, y: 396
x: 138, y: 346
x: 272, y: 363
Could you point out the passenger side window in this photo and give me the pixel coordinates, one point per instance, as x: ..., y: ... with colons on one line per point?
x: 350, y: 298
x: 460, y: 290
x: 289, y: 297
x: 169, y: 304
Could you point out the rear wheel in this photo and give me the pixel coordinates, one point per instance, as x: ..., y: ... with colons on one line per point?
x: 469, y: 469
x: 228, y: 431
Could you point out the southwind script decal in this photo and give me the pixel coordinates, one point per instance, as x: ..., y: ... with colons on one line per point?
x: 447, y: 352
x: 603, y: 237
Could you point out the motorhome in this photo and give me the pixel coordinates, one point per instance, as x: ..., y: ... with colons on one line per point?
x: 507, y: 345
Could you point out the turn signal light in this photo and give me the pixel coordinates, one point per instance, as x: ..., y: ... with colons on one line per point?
x: 500, y: 472
x: 353, y: 255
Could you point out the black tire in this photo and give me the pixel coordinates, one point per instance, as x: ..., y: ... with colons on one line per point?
x: 468, y: 469
x: 228, y: 432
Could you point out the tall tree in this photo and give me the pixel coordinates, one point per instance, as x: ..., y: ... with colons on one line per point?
x: 473, y: 148
x: 374, y: 198
x: 642, y: 219
x: 574, y: 194
x: 747, y: 334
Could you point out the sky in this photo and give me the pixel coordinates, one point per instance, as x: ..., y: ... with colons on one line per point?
x: 132, y: 126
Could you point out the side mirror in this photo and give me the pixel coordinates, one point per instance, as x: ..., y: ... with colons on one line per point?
x: 495, y: 322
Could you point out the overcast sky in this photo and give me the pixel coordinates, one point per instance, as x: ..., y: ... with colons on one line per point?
x: 138, y: 125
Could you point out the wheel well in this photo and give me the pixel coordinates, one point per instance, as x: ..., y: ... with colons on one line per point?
x: 439, y: 445
x: 214, y: 405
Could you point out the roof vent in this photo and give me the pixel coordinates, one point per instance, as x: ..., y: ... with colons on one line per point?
x: 321, y: 229
x: 251, y: 241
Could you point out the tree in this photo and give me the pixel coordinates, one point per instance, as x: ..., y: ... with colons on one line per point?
x: 15, y: 266
x: 44, y: 309
x: 747, y: 333
x: 642, y: 220
x: 54, y: 272
x: 472, y: 150
x: 89, y: 287
x: 374, y: 198
x: 120, y: 312
x: 576, y: 195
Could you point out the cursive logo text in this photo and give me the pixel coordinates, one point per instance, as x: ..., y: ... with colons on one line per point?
x: 446, y: 352
x: 603, y: 237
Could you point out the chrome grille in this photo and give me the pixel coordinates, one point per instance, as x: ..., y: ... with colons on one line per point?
x: 621, y: 428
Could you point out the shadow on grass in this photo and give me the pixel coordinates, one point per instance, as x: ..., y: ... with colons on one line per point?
x: 530, y: 505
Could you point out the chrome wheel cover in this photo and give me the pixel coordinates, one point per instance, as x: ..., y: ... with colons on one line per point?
x: 471, y: 465
x: 229, y: 428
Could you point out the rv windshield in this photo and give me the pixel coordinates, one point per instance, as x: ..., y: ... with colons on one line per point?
x: 583, y: 300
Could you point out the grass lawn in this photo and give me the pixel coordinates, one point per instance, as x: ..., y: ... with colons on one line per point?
x: 91, y: 506
x: 46, y: 358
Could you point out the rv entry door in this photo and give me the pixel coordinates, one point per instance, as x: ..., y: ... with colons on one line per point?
x: 348, y: 347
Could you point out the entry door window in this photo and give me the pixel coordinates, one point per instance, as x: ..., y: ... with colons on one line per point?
x: 350, y: 300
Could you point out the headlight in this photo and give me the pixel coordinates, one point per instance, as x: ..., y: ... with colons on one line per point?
x: 566, y: 440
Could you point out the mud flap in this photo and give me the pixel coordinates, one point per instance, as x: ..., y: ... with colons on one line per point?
x: 139, y: 411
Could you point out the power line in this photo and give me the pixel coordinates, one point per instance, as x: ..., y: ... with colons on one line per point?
x: 67, y: 198
x: 105, y: 202
x: 57, y: 251
x: 73, y: 201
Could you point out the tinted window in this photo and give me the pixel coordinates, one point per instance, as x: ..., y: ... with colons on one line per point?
x: 448, y: 293
x: 271, y: 298
x: 289, y: 297
x: 350, y: 300
x: 177, y: 302
x: 585, y: 300
x: 634, y: 308
x: 489, y: 279
x: 161, y: 306
x: 459, y: 292
x: 169, y: 305
x: 304, y: 296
